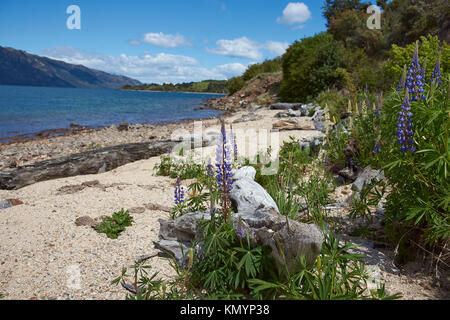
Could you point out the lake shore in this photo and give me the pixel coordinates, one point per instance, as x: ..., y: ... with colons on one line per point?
x: 46, y: 253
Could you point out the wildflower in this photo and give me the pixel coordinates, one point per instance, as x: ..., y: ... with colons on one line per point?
x: 376, y: 148
x: 209, y: 169
x: 404, y: 127
x: 240, y: 230
x: 223, y: 164
x: 179, y: 192
x: 414, y: 79
x: 436, y: 75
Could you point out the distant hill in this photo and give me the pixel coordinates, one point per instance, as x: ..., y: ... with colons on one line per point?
x: 207, y: 86
x: 18, y: 67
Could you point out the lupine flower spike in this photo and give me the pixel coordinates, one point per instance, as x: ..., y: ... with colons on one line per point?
x: 414, y: 79
x: 179, y: 193
x: 405, y: 131
x: 240, y: 230
x: 223, y: 164
x: 376, y: 148
x: 436, y: 75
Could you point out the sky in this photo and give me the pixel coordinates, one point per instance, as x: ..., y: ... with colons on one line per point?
x: 160, y: 41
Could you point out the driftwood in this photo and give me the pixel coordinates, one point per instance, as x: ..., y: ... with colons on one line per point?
x: 90, y: 162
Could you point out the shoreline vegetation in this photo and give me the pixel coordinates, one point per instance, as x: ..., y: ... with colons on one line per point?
x: 356, y: 205
x: 206, y: 86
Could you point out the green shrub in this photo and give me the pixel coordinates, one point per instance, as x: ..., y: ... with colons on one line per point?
x: 115, y: 225
x: 309, y: 67
x: 337, y: 104
x: 234, y: 85
x: 428, y: 51
x: 183, y: 169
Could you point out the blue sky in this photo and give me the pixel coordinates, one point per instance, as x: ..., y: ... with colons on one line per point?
x: 161, y: 41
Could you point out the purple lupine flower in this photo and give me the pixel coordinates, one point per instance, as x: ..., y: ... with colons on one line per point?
x: 179, y: 192
x: 376, y: 148
x: 223, y: 164
x: 414, y: 79
x: 209, y: 169
x: 369, y: 106
x: 436, y: 75
x: 240, y: 230
x: 404, y: 127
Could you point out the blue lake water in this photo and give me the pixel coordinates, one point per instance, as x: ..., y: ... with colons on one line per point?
x: 27, y: 110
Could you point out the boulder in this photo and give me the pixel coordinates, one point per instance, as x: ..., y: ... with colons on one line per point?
x: 248, y: 195
x: 258, y: 217
x: 294, y: 124
x: 319, y: 115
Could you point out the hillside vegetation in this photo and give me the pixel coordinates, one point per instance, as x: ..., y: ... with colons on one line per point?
x: 210, y: 86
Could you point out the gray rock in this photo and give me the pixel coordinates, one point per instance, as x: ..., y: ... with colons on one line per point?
x: 319, y: 115
x: 249, y: 196
x: 367, y: 177
x: 269, y: 228
x: 349, y: 174
x: 320, y: 126
x: 4, y: 204
x: 123, y: 126
x: 85, y: 221
x: 285, y: 106
x: 244, y: 173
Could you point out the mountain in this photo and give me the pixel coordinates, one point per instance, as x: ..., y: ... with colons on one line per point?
x: 18, y: 67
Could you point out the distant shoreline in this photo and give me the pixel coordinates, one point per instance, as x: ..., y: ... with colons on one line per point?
x: 193, y: 92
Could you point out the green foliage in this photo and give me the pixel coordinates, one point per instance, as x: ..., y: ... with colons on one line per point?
x: 234, y: 85
x: 334, y: 8
x: 183, y: 169
x: 420, y: 197
x: 336, y: 275
x: 309, y: 67
x: 417, y: 206
x: 115, y: 225
x: 429, y: 49
x: 337, y: 104
x: 207, y: 86
x: 268, y: 66
x: 404, y: 21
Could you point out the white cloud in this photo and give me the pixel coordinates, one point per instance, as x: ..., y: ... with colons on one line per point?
x: 295, y: 12
x: 166, y: 40
x: 276, y: 48
x: 247, y: 48
x: 238, y: 48
x: 148, y: 68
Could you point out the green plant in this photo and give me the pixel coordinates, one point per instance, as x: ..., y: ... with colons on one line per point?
x: 115, y: 225
x: 183, y: 169
x: 336, y: 275
x: 309, y: 67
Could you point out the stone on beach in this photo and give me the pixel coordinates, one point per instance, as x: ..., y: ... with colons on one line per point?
x: 260, y: 220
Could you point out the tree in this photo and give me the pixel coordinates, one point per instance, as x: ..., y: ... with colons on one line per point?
x: 333, y: 8
x: 309, y: 67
